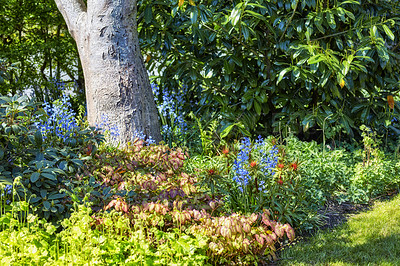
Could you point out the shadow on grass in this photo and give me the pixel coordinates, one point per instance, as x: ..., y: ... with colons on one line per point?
x: 341, y: 250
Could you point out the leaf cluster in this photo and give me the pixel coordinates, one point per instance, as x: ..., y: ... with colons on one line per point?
x: 38, y: 167
x: 167, y: 199
x: 277, y: 63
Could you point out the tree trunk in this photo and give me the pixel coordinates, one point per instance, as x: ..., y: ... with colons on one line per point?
x: 116, y: 81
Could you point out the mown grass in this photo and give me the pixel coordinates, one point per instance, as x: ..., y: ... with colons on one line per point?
x: 369, y: 238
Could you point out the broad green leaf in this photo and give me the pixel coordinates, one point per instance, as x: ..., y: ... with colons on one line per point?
x: 325, y: 78
x: 77, y: 162
x: 349, y: 2
x: 382, y: 53
x: 374, y: 31
x: 6, y: 99
x: 35, y: 177
x: 35, y: 199
x: 257, y: 107
x: 194, y: 15
x: 330, y: 18
x: 38, y: 138
x: 316, y: 58
x: 256, y: 15
x: 236, y: 14
x: 249, y: 104
x: 318, y: 22
x: 49, y: 176
x: 148, y: 15
x: 56, y: 196
x: 245, y: 31
x: 346, y: 68
x: 47, y: 205
x: 256, y: 5
x: 226, y: 131
x: 282, y: 74
x: 43, y: 193
x: 388, y: 32
x: 349, y: 14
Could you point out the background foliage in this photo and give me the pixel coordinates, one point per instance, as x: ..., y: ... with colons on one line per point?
x: 270, y: 65
x: 257, y: 66
x: 35, y: 39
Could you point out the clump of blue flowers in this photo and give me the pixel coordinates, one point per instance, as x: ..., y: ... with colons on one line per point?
x: 265, y: 157
x: 59, y: 119
x: 6, y: 190
x: 111, y: 129
x: 268, y: 156
x: 140, y: 135
x: 170, y: 108
x: 240, y: 166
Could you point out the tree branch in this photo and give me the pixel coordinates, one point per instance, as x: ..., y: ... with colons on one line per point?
x: 72, y: 10
x: 290, y: 21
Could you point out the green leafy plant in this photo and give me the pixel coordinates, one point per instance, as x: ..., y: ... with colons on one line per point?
x: 43, y: 161
x: 278, y: 64
x: 376, y: 174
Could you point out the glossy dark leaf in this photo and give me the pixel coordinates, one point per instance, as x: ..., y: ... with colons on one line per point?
x: 34, y: 177
x: 47, y: 205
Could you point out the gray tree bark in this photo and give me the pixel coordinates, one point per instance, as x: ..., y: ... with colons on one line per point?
x: 116, y: 81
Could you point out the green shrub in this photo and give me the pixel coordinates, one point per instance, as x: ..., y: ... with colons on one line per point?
x: 377, y: 178
x: 43, y: 160
x: 375, y: 173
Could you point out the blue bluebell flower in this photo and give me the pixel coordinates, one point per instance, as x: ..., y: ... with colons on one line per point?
x: 60, y: 120
x: 106, y: 126
x: 170, y: 108
x: 241, y: 174
x: 8, y: 189
x: 267, y: 162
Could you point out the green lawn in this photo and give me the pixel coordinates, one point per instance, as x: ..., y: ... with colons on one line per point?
x: 369, y: 238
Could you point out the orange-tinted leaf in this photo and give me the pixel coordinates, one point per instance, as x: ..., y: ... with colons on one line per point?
x: 390, y: 101
x: 181, y: 3
x: 341, y: 84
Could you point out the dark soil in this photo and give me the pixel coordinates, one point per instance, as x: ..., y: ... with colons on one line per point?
x: 335, y: 214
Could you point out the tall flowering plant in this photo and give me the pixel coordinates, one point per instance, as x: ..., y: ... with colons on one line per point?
x: 252, y: 169
x: 58, y: 120
x: 262, y: 178
x: 170, y: 108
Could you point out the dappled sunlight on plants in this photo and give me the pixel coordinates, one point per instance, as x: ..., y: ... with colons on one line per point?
x: 74, y: 198
x: 167, y: 198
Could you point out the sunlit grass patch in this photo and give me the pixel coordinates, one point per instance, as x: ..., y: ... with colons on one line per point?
x: 369, y: 238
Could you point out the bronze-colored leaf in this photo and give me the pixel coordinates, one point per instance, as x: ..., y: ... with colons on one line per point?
x: 390, y: 101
